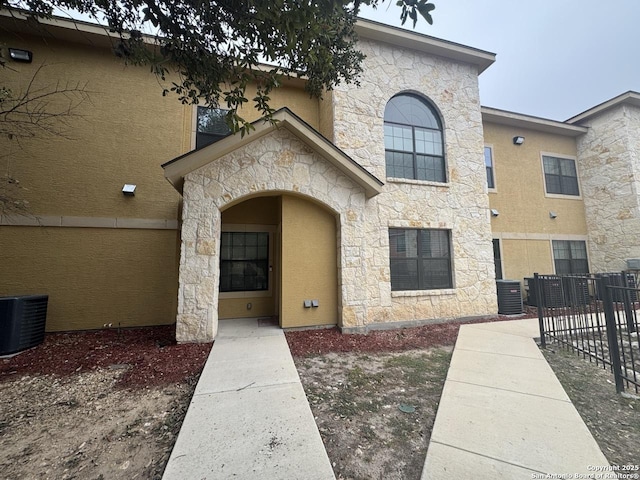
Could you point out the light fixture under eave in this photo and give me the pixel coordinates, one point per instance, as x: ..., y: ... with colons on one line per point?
x: 518, y: 140
x: 20, y: 55
x: 553, y: 215
x: 129, y: 189
x: 494, y: 212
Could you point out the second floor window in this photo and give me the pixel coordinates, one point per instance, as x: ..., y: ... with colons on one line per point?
x: 211, y: 126
x: 560, y: 175
x: 413, y: 140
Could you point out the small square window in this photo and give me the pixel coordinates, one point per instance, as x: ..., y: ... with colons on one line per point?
x: 570, y: 257
x: 420, y: 259
x: 211, y: 126
x: 560, y: 176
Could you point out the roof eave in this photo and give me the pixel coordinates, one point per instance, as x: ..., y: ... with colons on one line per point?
x: 518, y: 120
x: 627, y: 98
x: 176, y: 169
x: 425, y: 43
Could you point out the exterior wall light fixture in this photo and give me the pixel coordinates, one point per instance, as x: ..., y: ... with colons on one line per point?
x: 494, y: 212
x: 20, y: 55
x: 129, y: 189
x: 518, y: 140
x: 553, y: 215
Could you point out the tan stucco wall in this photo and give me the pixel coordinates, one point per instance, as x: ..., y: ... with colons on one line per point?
x: 523, y: 225
x: 125, y: 130
x: 523, y: 258
x: 309, y: 264
x: 263, y: 211
x: 93, y: 276
x: 520, y: 193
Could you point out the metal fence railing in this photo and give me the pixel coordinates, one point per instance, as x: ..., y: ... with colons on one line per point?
x: 595, y: 316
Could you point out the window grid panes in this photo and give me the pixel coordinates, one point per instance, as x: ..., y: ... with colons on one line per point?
x: 560, y: 175
x: 488, y: 163
x: 413, y: 140
x: 211, y: 126
x: 420, y: 259
x: 570, y: 257
x: 244, y: 261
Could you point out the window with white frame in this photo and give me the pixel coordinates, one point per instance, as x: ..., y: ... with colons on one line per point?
x: 413, y: 141
x: 420, y: 259
x: 570, y: 257
x: 560, y: 175
x: 211, y: 126
x: 488, y: 163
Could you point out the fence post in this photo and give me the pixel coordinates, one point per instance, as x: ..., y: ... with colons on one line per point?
x: 628, y: 311
x: 604, y: 284
x: 536, y: 282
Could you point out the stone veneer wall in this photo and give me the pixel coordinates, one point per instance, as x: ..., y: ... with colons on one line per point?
x: 609, y: 170
x: 277, y: 162
x: 460, y: 205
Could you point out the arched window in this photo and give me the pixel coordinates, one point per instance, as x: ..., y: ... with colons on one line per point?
x: 413, y: 139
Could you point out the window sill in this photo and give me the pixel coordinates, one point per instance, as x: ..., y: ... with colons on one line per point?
x: 247, y: 294
x: 563, y: 196
x: 423, y: 293
x: 411, y: 181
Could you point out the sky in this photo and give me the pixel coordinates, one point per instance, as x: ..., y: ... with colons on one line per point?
x: 554, y: 58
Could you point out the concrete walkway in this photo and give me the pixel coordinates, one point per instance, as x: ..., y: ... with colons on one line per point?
x: 249, y: 417
x: 503, y: 413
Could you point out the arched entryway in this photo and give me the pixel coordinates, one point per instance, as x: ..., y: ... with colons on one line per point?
x: 278, y: 258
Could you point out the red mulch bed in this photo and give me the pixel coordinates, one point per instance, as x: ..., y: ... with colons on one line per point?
x: 150, y: 356
x: 304, y: 343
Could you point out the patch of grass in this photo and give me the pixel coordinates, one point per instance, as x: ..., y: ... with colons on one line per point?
x: 423, y: 369
x: 358, y: 378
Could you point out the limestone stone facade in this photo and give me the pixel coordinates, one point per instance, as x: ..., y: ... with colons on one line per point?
x: 461, y: 205
x: 281, y: 162
x: 609, y: 162
x: 275, y: 163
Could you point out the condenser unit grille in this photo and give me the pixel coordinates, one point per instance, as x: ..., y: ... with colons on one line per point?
x: 22, y: 322
x: 509, y: 297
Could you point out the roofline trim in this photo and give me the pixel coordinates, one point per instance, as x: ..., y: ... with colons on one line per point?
x: 424, y: 43
x: 631, y: 98
x: 512, y: 119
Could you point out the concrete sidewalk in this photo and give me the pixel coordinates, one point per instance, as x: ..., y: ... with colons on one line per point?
x: 249, y: 417
x: 503, y: 413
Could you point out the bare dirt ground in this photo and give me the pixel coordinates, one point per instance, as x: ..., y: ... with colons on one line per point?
x: 96, y: 405
x: 375, y: 396
x: 109, y: 405
x: 613, y: 419
x: 375, y: 412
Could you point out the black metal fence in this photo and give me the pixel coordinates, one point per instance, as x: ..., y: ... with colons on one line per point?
x: 595, y: 316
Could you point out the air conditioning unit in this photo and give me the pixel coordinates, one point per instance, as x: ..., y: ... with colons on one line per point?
x: 22, y: 322
x: 633, y: 263
x: 509, y: 297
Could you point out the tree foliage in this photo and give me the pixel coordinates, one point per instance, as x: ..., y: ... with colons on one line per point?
x: 219, y: 47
